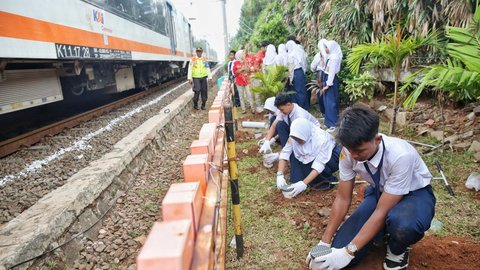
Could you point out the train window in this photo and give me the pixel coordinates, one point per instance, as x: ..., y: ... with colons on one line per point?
x: 161, y: 16
x: 124, y: 7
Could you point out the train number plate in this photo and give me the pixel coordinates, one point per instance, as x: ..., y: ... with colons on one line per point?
x: 65, y: 51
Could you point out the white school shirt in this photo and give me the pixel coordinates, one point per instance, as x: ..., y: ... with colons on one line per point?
x: 324, y: 141
x: 403, y: 169
x: 297, y: 112
x: 316, y: 64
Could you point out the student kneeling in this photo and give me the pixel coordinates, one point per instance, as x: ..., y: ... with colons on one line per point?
x: 399, y: 202
x: 313, y: 161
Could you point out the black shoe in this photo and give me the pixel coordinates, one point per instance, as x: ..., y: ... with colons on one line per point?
x: 203, y: 108
x: 396, y: 262
x: 195, y: 108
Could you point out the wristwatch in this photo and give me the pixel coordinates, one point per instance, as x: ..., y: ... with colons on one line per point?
x: 351, y: 248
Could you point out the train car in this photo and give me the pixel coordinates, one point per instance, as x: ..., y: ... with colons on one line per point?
x: 56, y: 49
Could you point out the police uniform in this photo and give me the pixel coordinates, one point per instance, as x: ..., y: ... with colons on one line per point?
x: 198, y: 72
x: 397, y: 169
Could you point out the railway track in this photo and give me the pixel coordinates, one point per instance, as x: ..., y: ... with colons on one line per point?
x: 12, y: 145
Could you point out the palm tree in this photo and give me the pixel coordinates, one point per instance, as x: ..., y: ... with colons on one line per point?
x: 460, y: 74
x: 391, y: 49
x: 272, y: 81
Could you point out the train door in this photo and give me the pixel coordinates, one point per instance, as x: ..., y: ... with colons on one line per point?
x: 171, y: 28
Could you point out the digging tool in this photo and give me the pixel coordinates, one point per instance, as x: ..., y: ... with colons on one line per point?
x: 449, y: 188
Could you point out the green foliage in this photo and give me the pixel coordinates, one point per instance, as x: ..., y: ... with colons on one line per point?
x: 250, y: 12
x: 269, y: 27
x: 361, y: 86
x: 392, y: 49
x: 459, y: 75
x: 272, y: 81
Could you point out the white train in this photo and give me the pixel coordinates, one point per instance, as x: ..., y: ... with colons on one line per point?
x: 86, y: 45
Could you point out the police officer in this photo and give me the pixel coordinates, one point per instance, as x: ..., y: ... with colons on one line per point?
x: 198, y: 72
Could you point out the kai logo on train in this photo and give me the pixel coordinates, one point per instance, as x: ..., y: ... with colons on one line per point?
x: 98, y: 16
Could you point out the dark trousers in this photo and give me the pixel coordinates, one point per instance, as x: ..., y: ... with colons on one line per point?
x: 319, y: 76
x: 300, y: 96
x: 299, y: 171
x: 271, y: 119
x: 200, y: 87
x: 331, y: 100
x: 236, y: 96
x: 406, y: 222
x: 283, y: 131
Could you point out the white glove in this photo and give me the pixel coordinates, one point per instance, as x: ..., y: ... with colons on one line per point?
x: 281, y: 182
x: 265, y: 149
x: 309, y: 257
x: 338, y: 259
x: 298, y: 188
x: 261, y: 142
x: 272, y: 140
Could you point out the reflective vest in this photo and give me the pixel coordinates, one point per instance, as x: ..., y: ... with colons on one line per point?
x: 199, y: 67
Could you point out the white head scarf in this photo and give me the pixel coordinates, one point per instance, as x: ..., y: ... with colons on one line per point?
x: 321, y: 47
x: 270, y: 55
x: 335, y: 52
x: 315, y: 141
x: 240, y: 55
x: 282, y: 57
x: 270, y: 104
x: 294, y: 51
x: 282, y: 49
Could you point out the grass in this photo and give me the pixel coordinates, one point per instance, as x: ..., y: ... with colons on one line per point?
x: 458, y: 214
x: 267, y: 227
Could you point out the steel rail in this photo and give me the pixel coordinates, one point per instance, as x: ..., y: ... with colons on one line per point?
x: 12, y: 145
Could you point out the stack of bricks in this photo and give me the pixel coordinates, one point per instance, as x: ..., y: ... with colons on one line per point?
x: 170, y: 243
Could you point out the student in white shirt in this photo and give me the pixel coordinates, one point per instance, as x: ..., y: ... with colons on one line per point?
x: 270, y: 56
x: 318, y: 67
x: 313, y: 156
x: 399, y: 202
x: 331, y: 98
x: 297, y: 75
x: 288, y: 111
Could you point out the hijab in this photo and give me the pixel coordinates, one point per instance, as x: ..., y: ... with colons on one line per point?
x: 240, y: 55
x: 294, y: 51
x: 270, y: 55
x: 315, y: 141
x: 321, y: 47
x: 282, y: 57
x: 270, y: 104
x: 335, y: 52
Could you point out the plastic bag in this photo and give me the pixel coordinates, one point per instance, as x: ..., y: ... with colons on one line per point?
x: 473, y: 181
x: 269, y: 159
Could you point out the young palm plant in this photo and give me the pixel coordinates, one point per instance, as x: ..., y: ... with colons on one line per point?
x: 460, y: 74
x: 272, y: 81
x: 392, y: 49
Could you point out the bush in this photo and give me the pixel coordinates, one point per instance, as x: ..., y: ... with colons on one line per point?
x: 361, y: 86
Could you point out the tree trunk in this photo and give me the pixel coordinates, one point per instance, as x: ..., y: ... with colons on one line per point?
x: 395, y: 109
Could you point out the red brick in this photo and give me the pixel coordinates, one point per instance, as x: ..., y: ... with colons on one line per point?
x: 169, y: 246
x: 196, y: 169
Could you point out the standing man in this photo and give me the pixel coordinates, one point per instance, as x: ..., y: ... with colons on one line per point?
x: 399, y: 201
x: 198, y: 72
x: 231, y: 77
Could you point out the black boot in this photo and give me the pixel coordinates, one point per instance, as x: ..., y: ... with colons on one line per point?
x: 203, y: 106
